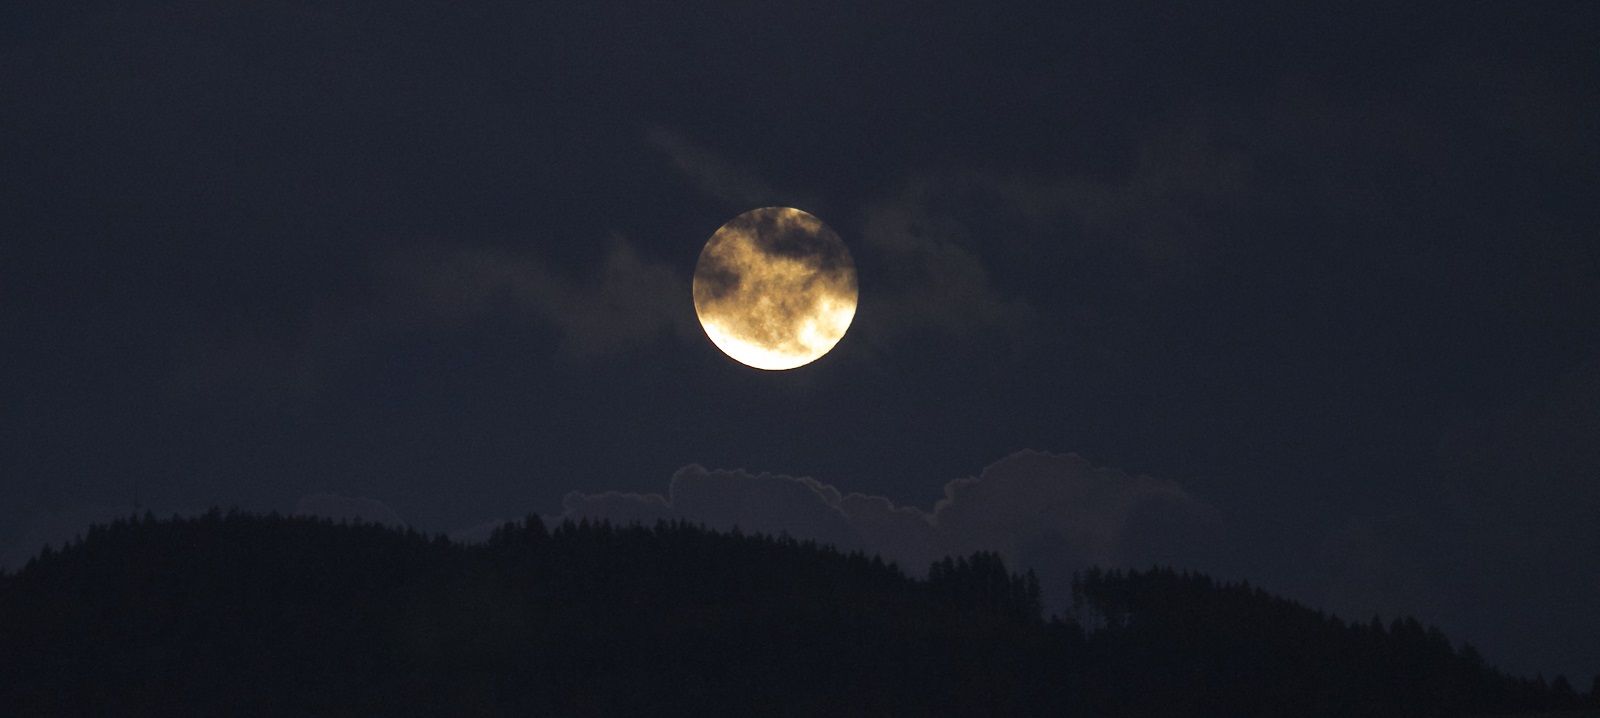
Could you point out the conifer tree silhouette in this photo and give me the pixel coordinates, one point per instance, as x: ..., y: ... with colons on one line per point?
x: 230, y: 612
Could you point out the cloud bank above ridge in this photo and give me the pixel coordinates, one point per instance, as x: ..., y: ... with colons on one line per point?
x: 1053, y: 513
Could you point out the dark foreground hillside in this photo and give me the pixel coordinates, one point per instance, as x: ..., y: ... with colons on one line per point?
x: 235, y: 614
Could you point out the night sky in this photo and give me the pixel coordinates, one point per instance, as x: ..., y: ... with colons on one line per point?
x: 1308, y: 296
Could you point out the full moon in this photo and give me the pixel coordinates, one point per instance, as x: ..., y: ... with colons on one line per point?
x: 775, y: 288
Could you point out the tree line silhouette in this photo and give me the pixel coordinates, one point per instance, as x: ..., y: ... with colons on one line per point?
x: 233, y: 613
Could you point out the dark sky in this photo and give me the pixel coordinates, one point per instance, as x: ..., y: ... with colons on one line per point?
x: 1311, y: 292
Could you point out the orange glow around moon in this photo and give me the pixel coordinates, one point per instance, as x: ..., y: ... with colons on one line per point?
x: 775, y: 288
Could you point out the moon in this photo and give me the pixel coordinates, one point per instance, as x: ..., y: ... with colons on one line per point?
x: 775, y: 288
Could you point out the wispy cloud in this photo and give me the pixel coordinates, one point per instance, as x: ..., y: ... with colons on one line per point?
x: 713, y: 174
x: 623, y: 302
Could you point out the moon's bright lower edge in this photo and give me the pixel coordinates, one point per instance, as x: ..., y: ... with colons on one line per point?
x: 775, y: 288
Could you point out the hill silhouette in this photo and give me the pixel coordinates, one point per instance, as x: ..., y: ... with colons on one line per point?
x: 241, y: 614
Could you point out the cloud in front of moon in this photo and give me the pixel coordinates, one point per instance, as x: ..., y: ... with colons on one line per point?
x: 775, y: 288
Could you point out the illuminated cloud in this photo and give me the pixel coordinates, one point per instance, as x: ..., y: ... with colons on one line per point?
x: 763, y: 503
x: 1050, y: 512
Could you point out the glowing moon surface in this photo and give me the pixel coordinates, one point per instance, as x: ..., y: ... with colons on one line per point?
x: 775, y: 288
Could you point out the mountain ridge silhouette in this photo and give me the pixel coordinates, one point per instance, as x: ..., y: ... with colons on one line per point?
x: 245, y: 614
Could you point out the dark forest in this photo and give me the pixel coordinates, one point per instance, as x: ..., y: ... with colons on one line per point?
x: 236, y: 614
